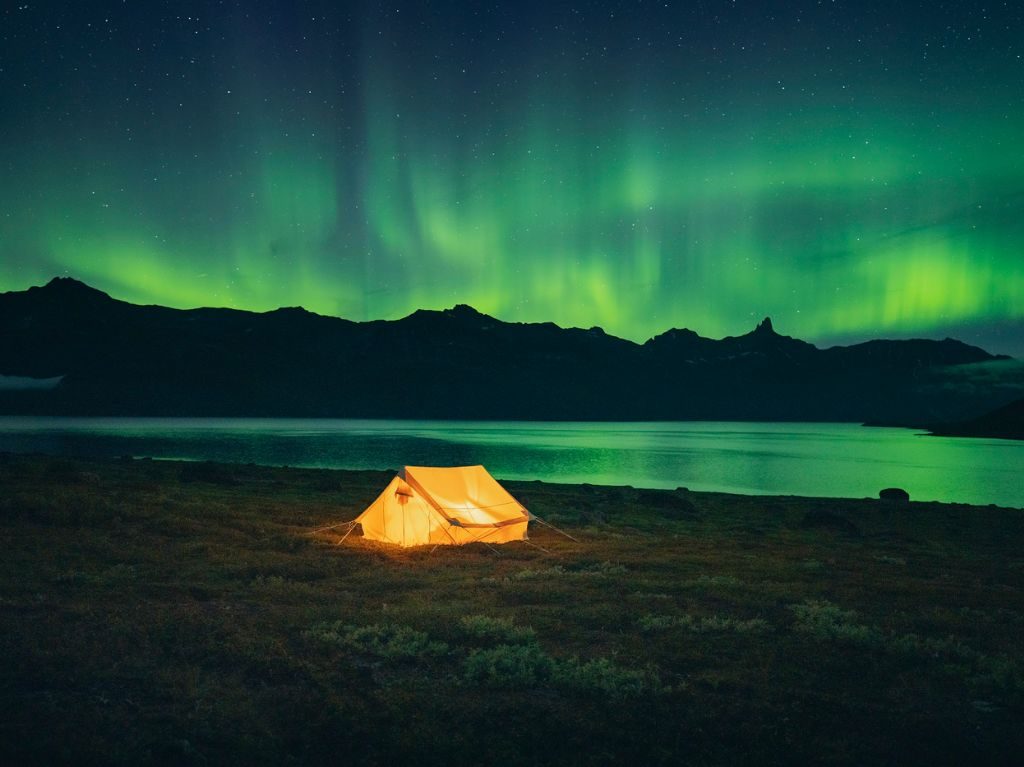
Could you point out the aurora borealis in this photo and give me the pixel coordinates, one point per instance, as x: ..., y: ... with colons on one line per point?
x: 851, y: 169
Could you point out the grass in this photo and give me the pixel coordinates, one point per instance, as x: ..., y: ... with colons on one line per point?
x: 165, y: 613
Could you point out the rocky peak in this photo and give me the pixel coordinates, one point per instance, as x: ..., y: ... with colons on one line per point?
x: 463, y: 310
x: 68, y: 287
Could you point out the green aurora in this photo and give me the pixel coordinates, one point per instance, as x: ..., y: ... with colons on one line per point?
x: 381, y: 169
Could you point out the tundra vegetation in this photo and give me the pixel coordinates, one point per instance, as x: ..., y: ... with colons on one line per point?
x: 180, y: 613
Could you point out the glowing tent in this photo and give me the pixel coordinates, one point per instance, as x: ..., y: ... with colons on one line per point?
x: 453, y: 506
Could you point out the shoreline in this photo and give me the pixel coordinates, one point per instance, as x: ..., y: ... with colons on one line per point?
x: 838, y: 460
x: 570, y: 486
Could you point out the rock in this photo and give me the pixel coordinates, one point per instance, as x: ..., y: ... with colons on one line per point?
x: 894, y: 494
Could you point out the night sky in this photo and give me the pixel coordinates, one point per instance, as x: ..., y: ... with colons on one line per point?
x: 854, y: 170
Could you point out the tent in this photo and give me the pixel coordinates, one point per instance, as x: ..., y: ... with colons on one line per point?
x: 451, y: 505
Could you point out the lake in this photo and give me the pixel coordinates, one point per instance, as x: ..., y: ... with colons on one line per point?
x: 809, y: 459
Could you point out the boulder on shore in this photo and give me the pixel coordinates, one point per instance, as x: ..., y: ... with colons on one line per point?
x: 894, y: 494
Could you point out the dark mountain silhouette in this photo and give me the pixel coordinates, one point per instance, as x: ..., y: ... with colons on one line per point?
x: 119, y: 358
x: 1006, y: 422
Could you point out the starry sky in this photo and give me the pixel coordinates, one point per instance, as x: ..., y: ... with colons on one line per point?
x: 852, y: 169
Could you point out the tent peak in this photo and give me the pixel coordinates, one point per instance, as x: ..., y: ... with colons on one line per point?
x: 443, y: 468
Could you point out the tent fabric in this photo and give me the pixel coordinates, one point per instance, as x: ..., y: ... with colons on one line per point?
x: 450, y: 506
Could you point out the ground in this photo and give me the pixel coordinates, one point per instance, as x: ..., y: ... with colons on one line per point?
x: 181, y: 613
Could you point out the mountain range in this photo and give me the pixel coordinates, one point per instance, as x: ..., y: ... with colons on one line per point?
x: 110, y: 357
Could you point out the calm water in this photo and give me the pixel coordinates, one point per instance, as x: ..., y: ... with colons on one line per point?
x: 810, y: 459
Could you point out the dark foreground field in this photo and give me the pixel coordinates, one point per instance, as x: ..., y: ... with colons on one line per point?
x: 157, y: 612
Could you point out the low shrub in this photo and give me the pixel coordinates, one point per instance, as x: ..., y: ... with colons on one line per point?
x: 545, y: 572
x: 715, y: 623
x: 660, y: 622
x: 885, y: 559
x: 706, y: 625
x: 998, y: 672
x: 509, y: 666
x: 278, y: 584
x: 643, y: 595
x: 604, y: 677
x: 270, y: 582
x: 499, y: 630
x: 717, y: 580
x: 605, y: 569
x: 387, y: 641
x: 824, y: 620
x: 521, y: 666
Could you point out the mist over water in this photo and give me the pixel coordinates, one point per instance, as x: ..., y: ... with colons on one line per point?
x: 808, y: 459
